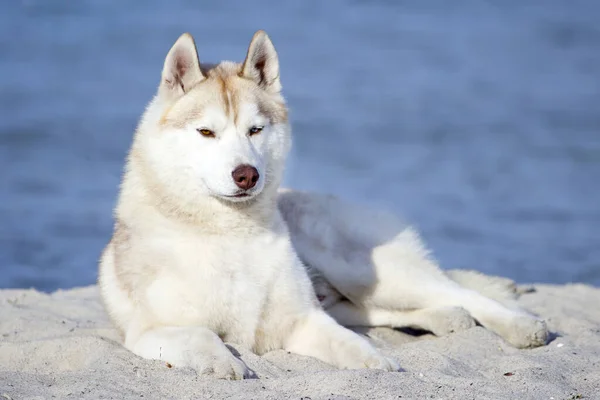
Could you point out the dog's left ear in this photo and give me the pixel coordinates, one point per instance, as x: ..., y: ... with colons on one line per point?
x: 261, y: 64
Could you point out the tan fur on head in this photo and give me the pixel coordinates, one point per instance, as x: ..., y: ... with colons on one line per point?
x: 229, y: 90
x: 182, y: 71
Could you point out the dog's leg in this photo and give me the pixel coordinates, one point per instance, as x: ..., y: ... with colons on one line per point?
x: 195, y: 347
x: 439, y: 321
x: 407, y: 274
x: 317, y: 335
x: 378, y: 263
x: 516, y: 326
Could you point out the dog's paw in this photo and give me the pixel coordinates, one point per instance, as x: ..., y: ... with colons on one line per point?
x: 191, y: 347
x: 363, y: 355
x: 222, y: 367
x: 318, y: 335
x: 527, y: 331
x: 383, y: 363
x: 447, y: 320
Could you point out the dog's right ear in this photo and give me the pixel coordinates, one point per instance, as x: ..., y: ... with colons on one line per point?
x: 182, y: 68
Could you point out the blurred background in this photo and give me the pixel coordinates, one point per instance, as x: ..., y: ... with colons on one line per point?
x: 477, y: 121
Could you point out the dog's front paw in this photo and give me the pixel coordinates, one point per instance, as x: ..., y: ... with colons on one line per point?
x: 191, y: 347
x: 318, y: 335
x: 378, y: 361
x: 361, y: 354
x: 224, y: 366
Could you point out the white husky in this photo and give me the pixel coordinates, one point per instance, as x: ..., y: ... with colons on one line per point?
x: 207, y: 250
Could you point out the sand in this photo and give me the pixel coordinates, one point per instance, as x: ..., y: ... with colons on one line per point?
x: 61, y: 345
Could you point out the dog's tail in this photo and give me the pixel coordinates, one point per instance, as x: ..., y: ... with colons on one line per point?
x: 503, y: 290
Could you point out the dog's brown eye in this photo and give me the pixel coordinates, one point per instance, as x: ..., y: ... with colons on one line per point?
x: 255, y: 129
x: 206, y: 132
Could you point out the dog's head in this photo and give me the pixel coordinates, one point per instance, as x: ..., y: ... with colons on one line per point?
x: 219, y: 130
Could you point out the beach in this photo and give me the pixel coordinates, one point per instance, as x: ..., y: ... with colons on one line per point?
x: 62, y: 345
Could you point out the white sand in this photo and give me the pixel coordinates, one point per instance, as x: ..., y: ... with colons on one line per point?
x: 62, y: 346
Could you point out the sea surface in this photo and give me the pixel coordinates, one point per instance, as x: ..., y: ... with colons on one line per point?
x: 477, y: 121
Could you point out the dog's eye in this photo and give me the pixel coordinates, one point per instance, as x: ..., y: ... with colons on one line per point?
x: 206, y: 132
x: 255, y: 129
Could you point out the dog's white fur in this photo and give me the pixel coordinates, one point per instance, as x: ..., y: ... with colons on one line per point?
x: 191, y: 265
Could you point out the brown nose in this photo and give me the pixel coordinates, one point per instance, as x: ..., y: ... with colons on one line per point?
x: 245, y: 176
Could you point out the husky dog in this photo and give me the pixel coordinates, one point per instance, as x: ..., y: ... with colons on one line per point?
x: 207, y: 249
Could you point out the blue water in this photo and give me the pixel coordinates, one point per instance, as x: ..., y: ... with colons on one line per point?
x: 477, y: 121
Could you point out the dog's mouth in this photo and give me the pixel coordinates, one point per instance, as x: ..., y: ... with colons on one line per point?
x: 241, y: 195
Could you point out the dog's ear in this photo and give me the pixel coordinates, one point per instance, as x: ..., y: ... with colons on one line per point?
x: 182, y: 68
x: 261, y: 63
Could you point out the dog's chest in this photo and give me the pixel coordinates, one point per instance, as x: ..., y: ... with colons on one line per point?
x: 220, y: 283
